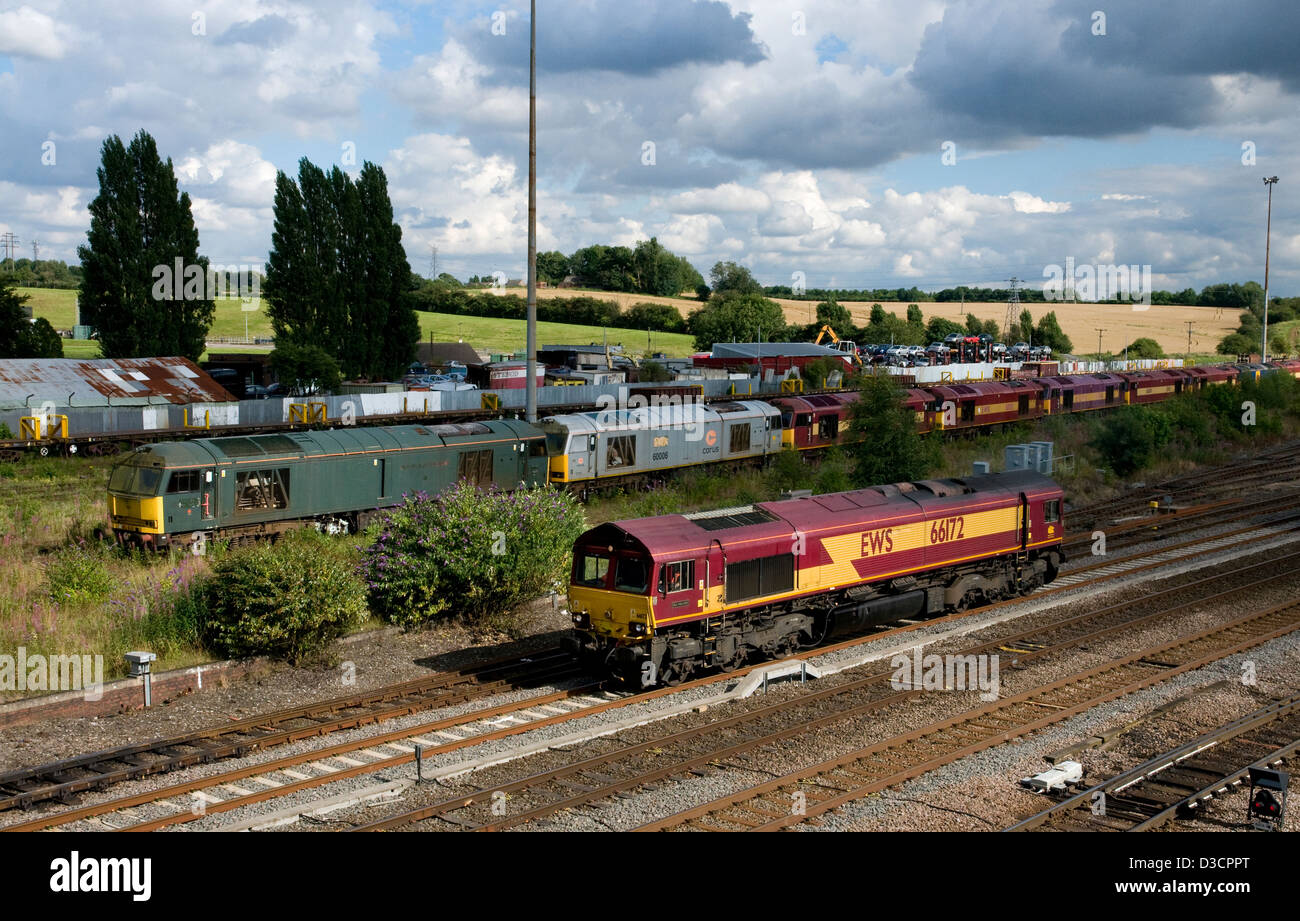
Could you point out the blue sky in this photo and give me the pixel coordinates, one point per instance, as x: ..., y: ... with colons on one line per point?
x: 808, y: 139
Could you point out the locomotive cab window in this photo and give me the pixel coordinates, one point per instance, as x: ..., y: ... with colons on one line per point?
x: 803, y: 420
x: 476, y: 466
x: 261, y: 489
x: 632, y: 575
x: 136, y: 481
x: 621, y: 451
x: 557, y: 442
x: 677, y: 577
x: 591, y: 570
x: 183, y: 481
x: 1052, y: 510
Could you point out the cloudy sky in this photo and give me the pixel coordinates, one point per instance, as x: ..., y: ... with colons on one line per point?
x: 898, y: 142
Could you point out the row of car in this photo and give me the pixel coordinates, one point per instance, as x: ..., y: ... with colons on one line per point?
x: 956, y: 348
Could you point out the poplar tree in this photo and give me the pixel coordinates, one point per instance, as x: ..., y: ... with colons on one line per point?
x: 141, y: 231
x: 337, y: 273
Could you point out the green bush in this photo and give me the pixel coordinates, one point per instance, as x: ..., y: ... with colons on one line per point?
x: 471, y: 552
x: 789, y: 471
x: 1129, y: 438
x: 79, y: 573
x: 288, y: 599
x: 1145, y: 347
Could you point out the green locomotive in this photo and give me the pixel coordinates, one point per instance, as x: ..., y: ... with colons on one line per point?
x: 247, y: 487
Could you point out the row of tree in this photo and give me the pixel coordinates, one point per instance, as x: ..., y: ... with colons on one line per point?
x: 1224, y: 295
x: 337, y: 275
x: 738, y: 311
x: 444, y: 297
x: 647, y: 268
x: 44, y: 273
x: 336, y: 278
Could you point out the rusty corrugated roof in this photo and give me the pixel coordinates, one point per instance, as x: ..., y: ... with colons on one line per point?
x: 29, y: 382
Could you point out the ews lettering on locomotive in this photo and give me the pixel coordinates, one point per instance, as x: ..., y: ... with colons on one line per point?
x: 877, y: 542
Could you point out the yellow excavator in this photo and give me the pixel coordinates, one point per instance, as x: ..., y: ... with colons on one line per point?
x: 840, y: 345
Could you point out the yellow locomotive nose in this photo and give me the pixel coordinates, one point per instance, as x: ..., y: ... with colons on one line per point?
x: 615, y: 615
x: 142, y: 515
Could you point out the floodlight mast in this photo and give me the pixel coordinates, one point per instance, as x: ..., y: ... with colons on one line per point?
x: 1269, y: 181
x: 530, y: 391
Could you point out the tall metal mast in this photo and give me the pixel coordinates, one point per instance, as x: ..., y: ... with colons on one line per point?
x: 531, y: 398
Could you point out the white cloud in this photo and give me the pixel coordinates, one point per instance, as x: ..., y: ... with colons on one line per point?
x: 1032, y: 204
x: 63, y: 207
x: 451, y: 196
x: 26, y: 32
x: 234, y: 169
x: 730, y: 197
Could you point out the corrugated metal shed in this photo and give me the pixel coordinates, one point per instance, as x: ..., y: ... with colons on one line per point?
x: 26, y: 383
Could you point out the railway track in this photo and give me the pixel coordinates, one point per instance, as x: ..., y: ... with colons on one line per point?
x: 807, y: 793
x: 130, y: 762
x: 63, y: 779
x: 284, y: 776
x: 1277, y: 463
x: 697, y: 749
x: 1181, y: 781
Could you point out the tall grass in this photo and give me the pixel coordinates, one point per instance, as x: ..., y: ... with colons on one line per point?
x: 61, y: 592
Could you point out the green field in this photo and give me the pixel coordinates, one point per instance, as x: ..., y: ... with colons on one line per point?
x: 487, y: 334
x: 58, y: 305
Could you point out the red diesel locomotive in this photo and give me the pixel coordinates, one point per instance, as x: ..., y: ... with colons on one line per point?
x: 656, y: 599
